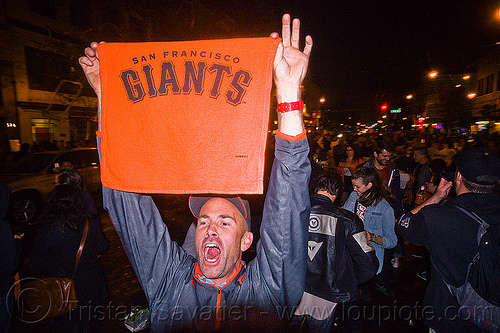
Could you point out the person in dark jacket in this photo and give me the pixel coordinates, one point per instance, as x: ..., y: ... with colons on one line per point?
x: 73, y: 178
x: 55, y: 250
x: 339, y: 256
x: 10, y: 251
x: 450, y: 235
x: 206, y: 292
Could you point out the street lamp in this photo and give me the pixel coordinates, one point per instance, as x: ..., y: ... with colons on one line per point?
x: 409, y: 96
x: 433, y: 74
x: 322, y: 100
x: 471, y: 95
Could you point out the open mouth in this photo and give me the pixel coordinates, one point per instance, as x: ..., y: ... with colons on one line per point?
x: 212, y: 252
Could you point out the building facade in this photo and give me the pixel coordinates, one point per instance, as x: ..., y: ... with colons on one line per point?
x: 486, y: 103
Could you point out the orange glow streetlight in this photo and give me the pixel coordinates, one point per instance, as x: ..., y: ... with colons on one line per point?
x: 471, y: 95
x: 322, y: 100
x: 409, y: 96
x: 433, y: 74
x: 466, y: 77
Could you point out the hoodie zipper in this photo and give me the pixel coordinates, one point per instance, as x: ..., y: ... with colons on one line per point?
x: 218, y: 310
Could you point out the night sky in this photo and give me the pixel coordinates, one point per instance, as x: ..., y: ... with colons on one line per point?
x: 376, y: 50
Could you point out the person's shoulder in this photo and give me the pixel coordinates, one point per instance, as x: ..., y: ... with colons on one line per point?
x: 346, y: 214
x: 393, y: 166
x: 353, y: 196
x: 383, y: 203
x: 383, y: 206
x: 351, y: 221
x: 445, y: 207
x: 49, y: 231
x: 367, y: 163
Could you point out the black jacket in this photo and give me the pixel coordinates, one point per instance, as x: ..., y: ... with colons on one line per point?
x: 344, y: 258
x: 54, y: 254
x: 10, y: 249
x: 451, y: 238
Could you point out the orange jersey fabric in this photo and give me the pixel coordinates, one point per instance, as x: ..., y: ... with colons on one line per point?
x: 186, y: 117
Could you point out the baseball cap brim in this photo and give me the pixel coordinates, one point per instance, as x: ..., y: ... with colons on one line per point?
x: 243, y: 206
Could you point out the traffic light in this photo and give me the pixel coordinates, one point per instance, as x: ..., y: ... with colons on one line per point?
x: 384, y: 107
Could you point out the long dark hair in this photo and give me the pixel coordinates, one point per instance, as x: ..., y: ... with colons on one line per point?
x: 70, y: 177
x: 379, y: 189
x: 355, y: 148
x: 66, y: 208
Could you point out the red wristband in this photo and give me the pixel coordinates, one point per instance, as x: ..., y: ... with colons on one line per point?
x: 293, y: 106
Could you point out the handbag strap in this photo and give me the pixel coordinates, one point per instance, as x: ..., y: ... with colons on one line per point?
x: 483, y: 224
x: 80, y: 249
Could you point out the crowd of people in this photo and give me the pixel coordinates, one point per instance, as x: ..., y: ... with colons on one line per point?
x: 390, y: 177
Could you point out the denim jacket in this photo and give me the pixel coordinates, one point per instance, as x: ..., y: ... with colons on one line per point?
x: 379, y: 219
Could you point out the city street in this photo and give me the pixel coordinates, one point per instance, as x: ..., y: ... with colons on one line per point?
x: 379, y: 313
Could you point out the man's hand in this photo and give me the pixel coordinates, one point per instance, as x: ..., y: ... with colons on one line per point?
x: 90, y: 66
x: 443, y: 190
x: 441, y: 194
x: 290, y: 64
x: 290, y: 68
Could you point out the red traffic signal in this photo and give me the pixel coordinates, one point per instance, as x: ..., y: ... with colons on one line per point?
x: 384, y: 107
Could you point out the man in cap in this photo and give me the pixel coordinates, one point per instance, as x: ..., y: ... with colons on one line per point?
x: 216, y: 290
x: 450, y: 235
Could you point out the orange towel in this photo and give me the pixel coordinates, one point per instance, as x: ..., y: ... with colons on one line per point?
x: 186, y: 117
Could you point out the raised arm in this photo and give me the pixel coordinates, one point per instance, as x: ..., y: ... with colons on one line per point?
x: 279, y: 268
x: 90, y: 66
x: 290, y: 68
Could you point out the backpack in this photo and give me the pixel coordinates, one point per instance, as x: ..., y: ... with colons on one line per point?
x: 479, y: 297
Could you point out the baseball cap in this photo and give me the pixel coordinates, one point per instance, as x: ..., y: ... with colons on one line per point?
x: 479, y: 165
x: 197, y: 202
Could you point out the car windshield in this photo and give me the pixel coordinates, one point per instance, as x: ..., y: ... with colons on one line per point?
x: 35, y: 163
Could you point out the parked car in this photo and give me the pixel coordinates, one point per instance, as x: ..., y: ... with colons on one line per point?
x: 32, y: 178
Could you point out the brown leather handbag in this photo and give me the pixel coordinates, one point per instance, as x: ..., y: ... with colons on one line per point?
x: 45, y: 299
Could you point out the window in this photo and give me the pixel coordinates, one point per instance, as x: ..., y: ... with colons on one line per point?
x: 137, y: 28
x: 34, y: 163
x: 480, y: 87
x: 42, y: 130
x: 43, y: 7
x: 46, y: 69
x: 73, y: 158
x: 80, y: 14
x: 112, y: 14
x: 489, y: 84
x: 485, y: 85
x: 89, y: 158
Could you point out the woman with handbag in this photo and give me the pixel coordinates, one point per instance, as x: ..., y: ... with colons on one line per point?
x: 68, y: 225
